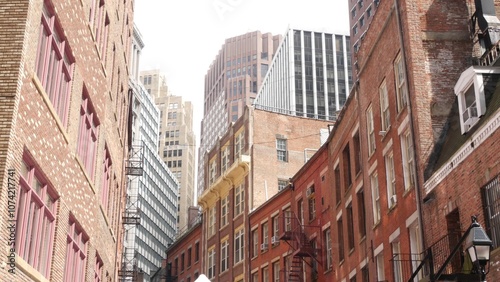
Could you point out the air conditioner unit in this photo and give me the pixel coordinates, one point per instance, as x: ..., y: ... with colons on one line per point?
x: 275, y: 240
x: 310, y: 191
x: 470, y: 115
x: 263, y: 246
x: 394, y: 200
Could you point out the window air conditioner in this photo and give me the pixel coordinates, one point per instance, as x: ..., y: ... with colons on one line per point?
x: 263, y: 247
x: 275, y: 240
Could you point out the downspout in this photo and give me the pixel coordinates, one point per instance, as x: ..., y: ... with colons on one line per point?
x: 412, y: 129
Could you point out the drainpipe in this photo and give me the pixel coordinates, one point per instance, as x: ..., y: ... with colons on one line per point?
x: 412, y: 129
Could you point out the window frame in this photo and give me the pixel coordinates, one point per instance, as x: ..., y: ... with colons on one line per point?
x: 282, y: 149
x: 390, y: 175
x: 76, y: 248
x: 400, y: 82
x: 88, y: 134
x: 385, y: 113
x: 370, y: 131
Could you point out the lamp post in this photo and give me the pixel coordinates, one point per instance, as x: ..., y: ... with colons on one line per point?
x: 478, y: 245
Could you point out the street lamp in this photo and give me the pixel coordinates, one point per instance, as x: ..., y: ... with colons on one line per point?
x: 478, y: 245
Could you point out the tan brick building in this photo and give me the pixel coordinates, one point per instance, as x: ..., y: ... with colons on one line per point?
x: 64, y: 101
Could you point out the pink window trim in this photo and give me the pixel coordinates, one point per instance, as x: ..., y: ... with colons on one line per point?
x: 34, y: 219
x: 54, y: 63
x: 106, y: 179
x: 76, y: 253
x: 98, y: 268
x: 88, y: 134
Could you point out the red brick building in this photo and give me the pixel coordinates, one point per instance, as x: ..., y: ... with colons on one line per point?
x: 63, y: 135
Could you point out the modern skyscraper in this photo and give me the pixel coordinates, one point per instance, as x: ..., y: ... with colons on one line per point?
x: 63, y: 138
x: 310, y: 75
x: 177, y: 141
x: 231, y: 83
x: 152, y: 189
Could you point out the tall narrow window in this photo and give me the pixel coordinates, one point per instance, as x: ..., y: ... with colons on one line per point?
x: 255, y: 243
x: 401, y: 88
x: 282, y: 150
x: 350, y: 227
x: 265, y: 236
x: 239, y: 245
x: 224, y: 158
x: 408, y: 163
x: 238, y: 144
x: 265, y: 274
x: 212, y: 171
x: 346, y: 156
x: 224, y: 256
x: 361, y: 213
x: 101, y: 28
x: 54, y: 63
x: 87, y: 134
x: 224, y: 211
x: 385, y: 114
x: 491, y: 199
x: 391, y: 180
x: 275, y: 239
x: 340, y: 230
x: 357, y: 152
x: 98, y: 268
x: 276, y: 271
x: 106, y: 179
x: 337, y: 188
x: 379, y: 261
x: 396, y: 262
x: 76, y: 253
x: 211, y: 221
x: 375, y: 197
x: 239, y: 199
x: 288, y: 219
x: 36, y: 212
x: 328, y: 249
x: 370, y: 131
x: 211, y: 263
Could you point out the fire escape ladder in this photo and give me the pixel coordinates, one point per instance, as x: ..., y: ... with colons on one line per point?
x: 295, y: 272
x: 135, y: 163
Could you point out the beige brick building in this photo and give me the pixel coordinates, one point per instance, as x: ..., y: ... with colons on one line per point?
x: 63, y: 138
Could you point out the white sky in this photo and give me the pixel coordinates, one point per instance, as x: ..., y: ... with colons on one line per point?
x: 183, y: 37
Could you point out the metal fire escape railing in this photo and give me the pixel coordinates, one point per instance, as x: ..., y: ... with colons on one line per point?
x: 134, y: 167
x: 296, y: 235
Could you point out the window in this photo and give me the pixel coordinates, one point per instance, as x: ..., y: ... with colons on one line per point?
x: 365, y: 274
x: 88, y: 133
x: 375, y: 197
x: 391, y: 180
x: 328, y: 249
x: 275, y: 223
x: 265, y: 274
x: 288, y: 219
x: 211, y: 221
x: 401, y: 88
x: 172, y: 115
x: 239, y: 246
x: 282, y: 183
x: 54, y: 63
x: 212, y: 171
x: 491, y: 197
x: 238, y: 144
x: 346, y: 155
x: 360, y: 196
x: 255, y: 276
x: 182, y: 262
x: 224, y: 158
x: 385, y: 115
x: 76, y: 253
x: 312, y: 206
x: 379, y: 260
x: 396, y: 261
x: 255, y: 243
x: 265, y: 236
x: 276, y: 271
x: 340, y: 229
x: 189, y: 258
x: 350, y: 227
x: 100, y: 22
x: 106, y: 179
x: 224, y: 210
x: 211, y: 263
x: 197, y: 251
x: 98, y: 269
x: 357, y: 153
x: 408, y: 164
x: 239, y: 199
x: 338, y: 196
x: 35, y: 218
x: 281, y: 148
x: 371, y: 131
x: 224, y: 256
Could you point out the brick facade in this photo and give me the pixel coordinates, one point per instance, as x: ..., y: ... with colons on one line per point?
x: 33, y: 128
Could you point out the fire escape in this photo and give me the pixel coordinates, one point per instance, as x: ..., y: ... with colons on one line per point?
x: 131, y: 215
x: 303, y: 251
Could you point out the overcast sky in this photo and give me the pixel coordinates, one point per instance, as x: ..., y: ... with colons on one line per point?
x: 183, y: 37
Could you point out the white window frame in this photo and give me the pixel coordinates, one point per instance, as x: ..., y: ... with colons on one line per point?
x: 224, y: 158
x: 224, y: 211
x: 224, y: 256
x: 211, y: 263
x: 401, y: 86
x: 329, y: 250
x: 390, y: 180
x: 396, y: 261
x: 370, y: 131
x: 239, y: 199
x: 238, y: 144
x: 211, y: 221
x: 375, y: 197
x: 239, y: 246
x: 385, y: 114
x: 408, y: 160
x: 282, y: 149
